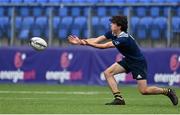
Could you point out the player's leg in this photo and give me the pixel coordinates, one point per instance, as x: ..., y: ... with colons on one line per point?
x: 153, y: 90
x: 109, y: 75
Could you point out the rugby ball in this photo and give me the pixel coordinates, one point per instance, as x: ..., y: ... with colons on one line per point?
x: 38, y: 43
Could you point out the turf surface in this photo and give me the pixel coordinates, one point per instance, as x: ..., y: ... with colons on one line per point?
x: 51, y: 99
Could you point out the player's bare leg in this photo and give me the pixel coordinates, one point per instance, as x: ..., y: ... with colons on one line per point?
x: 109, y: 75
x: 153, y: 90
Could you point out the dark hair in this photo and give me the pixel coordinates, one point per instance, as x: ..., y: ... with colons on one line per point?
x: 120, y: 21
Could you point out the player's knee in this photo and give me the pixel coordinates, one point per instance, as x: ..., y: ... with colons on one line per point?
x: 107, y: 73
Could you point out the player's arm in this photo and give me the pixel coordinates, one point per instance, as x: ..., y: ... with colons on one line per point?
x: 96, y: 40
x: 100, y: 46
x: 76, y: 41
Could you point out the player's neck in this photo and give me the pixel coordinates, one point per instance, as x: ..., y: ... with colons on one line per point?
x: 117, y: 33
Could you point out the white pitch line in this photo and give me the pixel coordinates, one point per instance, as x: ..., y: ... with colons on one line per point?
x: 51, y: 99
x: 55, y: 92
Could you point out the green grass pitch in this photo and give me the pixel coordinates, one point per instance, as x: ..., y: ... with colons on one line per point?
x: 61, y: 99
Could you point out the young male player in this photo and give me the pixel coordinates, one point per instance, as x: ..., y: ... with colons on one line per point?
x: 134, y: 60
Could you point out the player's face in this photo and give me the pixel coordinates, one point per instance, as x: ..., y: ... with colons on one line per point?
x: 114, y: 27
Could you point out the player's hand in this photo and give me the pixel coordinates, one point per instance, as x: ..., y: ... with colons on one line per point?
x: 74, y: 40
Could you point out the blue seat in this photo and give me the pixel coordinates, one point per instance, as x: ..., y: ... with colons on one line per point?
x: 63, y: 33
x: 125, y: 11
x: 145, y: 1
x: 41, y: 1
x: 178, y: 11
x: 103, y: 25
x: 108, y: 1
x: 66, y: 22
x: 63, y: 11
x: 132, y: 1
x: 114, y: 11
x: 37, y: 11
x: 79, y: 24
x: 64, y: 27
x: 27, y: 24
x: 84, y: 33
x: 66, y: 1
x: 141, y: 11
x: 172, y: 1
x: 92, y: 1
x: 54, y: 1
x: 79, y: 1
x: 95, y: 24
x: 104, y: 21
x: 40, y: 26
x: 24, y: 11
x: 4, y: 26
x: 159, y: 28
x: 29, y: 1
x: 85, y: 11
x: 5, y: 1
x: 75, y: 11
x: 165, y: 11
x: 134, y: 24
x: 155, y: 11
x: 2, y: 10
x: 116, y: 1
x: 18, y: 22
x: 158, y: 1
x: 101, y: 11
x: 41, y: 21
x: 56, y: 22
x: 144, y: 27
x: 16, y: 1
x: 176, y: 24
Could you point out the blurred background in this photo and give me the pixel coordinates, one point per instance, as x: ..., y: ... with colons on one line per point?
x: 155, y: 24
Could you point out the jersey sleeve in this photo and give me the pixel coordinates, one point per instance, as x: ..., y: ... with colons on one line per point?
x: 108, y: 35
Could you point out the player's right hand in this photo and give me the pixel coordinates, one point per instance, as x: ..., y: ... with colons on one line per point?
x: 74, y: 40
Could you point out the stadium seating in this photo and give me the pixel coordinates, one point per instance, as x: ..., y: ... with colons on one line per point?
x: 114, y: 11
x: 4, y: 24
x: 5, y: 1
x: 176, y: 24
x: 141, y: 11
x: 159, y: 28
x: 115, y: 1
x: 75, y: 11
x: 146, y: 21
x: 144, y: 27
x: 16, y: 1
x: 37, y: 11
x: 39, y: 27
x: 27, y: 24
x: 29, y: 1
x: 54, y: 1
x: 2, y: 11
x: 131, y: 1
x: 24, y: 11
x: 92, y: 1
x: 67, y: 1
x: 65, y: 24
x: 134, y: 24
x: 101, y: 11
x: 63, y: 11
x: 41, y: 1
x: 155, y: 11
